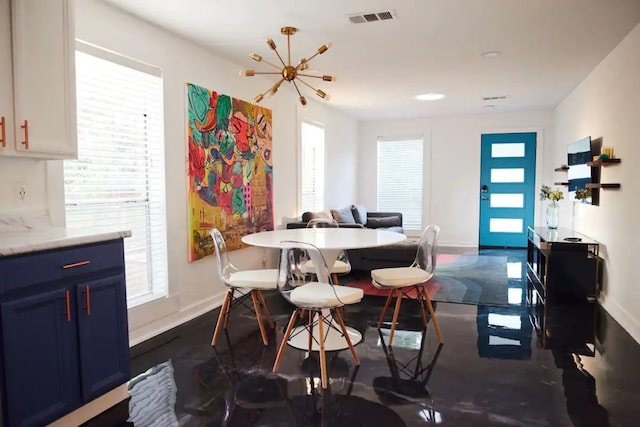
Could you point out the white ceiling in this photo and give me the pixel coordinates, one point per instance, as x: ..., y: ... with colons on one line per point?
x: 548, y: 47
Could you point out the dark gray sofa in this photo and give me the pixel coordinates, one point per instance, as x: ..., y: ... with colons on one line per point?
x: 400, y: 255
x: 391, y: 221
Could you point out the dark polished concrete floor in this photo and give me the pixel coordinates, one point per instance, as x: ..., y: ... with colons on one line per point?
x: 496, y: 368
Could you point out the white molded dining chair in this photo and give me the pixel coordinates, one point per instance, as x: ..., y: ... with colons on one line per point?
x: 316, y: 298
x: 341, y: 265
x: 246, y: 284
x: 401, y: 280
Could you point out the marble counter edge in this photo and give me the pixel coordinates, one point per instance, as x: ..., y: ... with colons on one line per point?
x: 17, y: 243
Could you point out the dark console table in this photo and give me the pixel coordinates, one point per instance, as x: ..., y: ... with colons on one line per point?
x: 562, y: 264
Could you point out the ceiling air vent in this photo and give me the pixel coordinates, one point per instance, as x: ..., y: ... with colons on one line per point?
x: 361, y: 18
x: 494, y: 98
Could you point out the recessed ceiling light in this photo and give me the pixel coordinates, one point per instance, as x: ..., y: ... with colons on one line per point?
x: 488, y: 106
x: 491, y: 54
x: 430, y: 96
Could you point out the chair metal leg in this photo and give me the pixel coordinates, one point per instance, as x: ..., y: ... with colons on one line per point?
x: 272, y: 324
x: 420, y: 300
x: 221, y: 318
x: 256, y: 308
x: 323, y: 357
x: 338, y: 316
x: 283, y: 345
x: 386, y: 307
x: 432, y: 313
x: 310, y: 331
x: 229, y: 308
x: 395, y: 315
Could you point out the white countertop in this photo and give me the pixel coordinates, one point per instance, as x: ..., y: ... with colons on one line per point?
x: 24, y: 241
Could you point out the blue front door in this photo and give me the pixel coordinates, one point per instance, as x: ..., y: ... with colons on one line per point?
x: 507, y: 188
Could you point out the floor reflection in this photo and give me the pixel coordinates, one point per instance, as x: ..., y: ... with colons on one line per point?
x: 521, y: 365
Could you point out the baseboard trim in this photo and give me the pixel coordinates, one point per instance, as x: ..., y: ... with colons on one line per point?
x: 622, y: 316
x: 176, y: 319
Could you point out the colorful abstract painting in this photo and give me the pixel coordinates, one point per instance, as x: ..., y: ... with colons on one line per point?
x: 230, y: 169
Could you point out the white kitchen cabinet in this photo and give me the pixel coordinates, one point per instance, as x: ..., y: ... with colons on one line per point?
x: 43, y: 121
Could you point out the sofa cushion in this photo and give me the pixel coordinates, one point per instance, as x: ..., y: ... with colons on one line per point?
x: 343, y: 215
x: 359, y: 214
x: 385, y: 221
x: 308, y: 216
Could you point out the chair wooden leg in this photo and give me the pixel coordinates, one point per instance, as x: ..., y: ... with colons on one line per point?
x: 386, y: 307
x: 221, y: 318
x: 283, y: 345
x: 334, y: 276
x: 420, y: 300
x: 395, y: 315
x: 272, y: 324
x: 302, y: 313
x: 432, y: 313
x: 338, y: 316
x: 229, y: 308
x: 256, y: 307
x: 323, y: 357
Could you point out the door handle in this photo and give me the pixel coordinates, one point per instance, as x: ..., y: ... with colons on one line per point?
x: 87, y: 296
x: 3, y: 132
x: 484, y: 198
x: 25, y: 126
x: 68, y: 306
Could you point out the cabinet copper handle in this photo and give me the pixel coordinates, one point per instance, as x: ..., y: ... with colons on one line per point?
x: 3, y: 132
x: 25, y: 126
x: 76, y: 264
x: 68, y: 306
x: 88, y: 299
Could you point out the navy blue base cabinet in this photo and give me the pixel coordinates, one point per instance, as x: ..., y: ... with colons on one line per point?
x: 64, y: 330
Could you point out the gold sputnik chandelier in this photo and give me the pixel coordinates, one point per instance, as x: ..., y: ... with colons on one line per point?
x: 289, y: 73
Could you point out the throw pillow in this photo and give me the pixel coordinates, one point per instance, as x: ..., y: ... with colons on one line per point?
x: 344, y: 215
x: 359, y: 214
x: 385, y: 221
x: 307, y: 216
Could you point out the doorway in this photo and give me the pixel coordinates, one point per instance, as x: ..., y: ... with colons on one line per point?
x: 507, y: 188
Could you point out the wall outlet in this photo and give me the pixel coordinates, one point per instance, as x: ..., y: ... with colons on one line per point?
x: 21, y: 192
x: 264, y: 261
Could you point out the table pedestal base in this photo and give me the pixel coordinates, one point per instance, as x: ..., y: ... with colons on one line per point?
x: 333, y: 340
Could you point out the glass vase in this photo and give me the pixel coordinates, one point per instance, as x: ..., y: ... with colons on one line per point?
x: 552, y: 215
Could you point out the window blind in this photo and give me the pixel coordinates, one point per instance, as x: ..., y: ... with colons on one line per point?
x: 400, y: 171
x: 118, y: 178
x: 312, y: 170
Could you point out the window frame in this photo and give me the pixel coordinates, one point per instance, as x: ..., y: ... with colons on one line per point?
x: 156, y: 244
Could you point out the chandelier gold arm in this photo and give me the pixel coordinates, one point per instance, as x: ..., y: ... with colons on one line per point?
x: 320, y: 93
x: 272, y: 45
x: 303, y: 100
x: 325, y: 78
x: 259, y: 58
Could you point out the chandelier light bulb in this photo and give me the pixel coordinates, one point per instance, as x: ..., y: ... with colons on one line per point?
x: 271, y: 43
x: 303, y: 101
x: 247, y: 73
x: 329, y: 78
x: 258, y: 98
x: 256, y: 57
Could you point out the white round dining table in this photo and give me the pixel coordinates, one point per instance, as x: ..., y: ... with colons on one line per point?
x: 330, y: 241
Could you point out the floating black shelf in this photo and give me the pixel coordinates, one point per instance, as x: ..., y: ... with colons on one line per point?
x: 560, y: 183
x: 603, y: 162
x: 603, y: 186
x: 562, y: 169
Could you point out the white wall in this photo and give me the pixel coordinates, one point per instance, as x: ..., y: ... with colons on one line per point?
x: 451, y: 195
x: 192, y: 288
x: 607, y: 104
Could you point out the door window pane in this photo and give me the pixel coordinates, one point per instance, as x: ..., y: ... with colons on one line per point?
x: 507, y: 200
x: 507, y: 150
x: 507, y: 175
x: 505, y: 225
